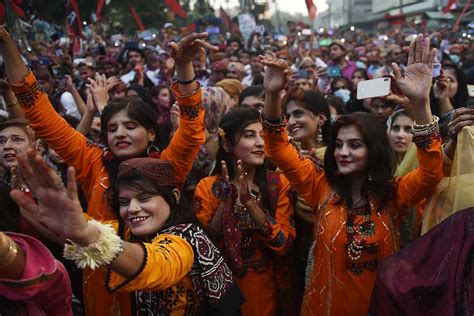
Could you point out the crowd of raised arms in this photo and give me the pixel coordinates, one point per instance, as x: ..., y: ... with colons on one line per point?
x: 189, y: 175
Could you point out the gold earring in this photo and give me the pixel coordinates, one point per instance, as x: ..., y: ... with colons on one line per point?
x: 319, y: 137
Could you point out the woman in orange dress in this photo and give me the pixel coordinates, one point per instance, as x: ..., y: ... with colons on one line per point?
x: 153, y: 251
x: 247, y: 209
x: 129, y: 130
x: 356, y: 202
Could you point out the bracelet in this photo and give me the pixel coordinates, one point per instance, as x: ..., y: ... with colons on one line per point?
x: 8, y: 250
x: 427, y: 131
x: 423, y: 126
x: 188, y: 81
x: 103, y: 251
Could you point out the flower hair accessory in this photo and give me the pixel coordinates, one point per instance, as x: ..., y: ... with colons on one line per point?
x: 103, y: 251
x: 221, y: 133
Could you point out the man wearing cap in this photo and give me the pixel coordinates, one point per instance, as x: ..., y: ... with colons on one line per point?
x: 337, y: 53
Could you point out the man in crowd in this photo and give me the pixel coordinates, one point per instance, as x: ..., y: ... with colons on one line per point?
x: 337, y: 53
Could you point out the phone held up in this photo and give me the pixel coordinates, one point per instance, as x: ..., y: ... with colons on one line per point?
x: 373, y: 88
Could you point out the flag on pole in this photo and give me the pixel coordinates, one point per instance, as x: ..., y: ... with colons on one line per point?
x: 176, y: 7
x: 99, y: 10
x: 73, y: 18
x: 136, y: 17
x: 451, y: 5
x: 312, y: 10
x: 225, y: 19
x: 461, y: 16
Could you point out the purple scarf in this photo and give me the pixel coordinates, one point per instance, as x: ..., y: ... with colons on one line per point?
x: 431, y: 276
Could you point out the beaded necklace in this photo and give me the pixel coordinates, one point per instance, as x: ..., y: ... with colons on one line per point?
x: 357, y: 234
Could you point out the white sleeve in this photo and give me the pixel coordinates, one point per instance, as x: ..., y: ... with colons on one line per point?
x: 69, y: 105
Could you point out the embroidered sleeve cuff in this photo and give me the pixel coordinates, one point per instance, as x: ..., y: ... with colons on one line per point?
x: 274, y: 126
x: 27, y: 91
x: 265, y: 228
x: 190, y: 105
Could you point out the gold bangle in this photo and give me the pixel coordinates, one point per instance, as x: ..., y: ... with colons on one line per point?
x: 8, y: 250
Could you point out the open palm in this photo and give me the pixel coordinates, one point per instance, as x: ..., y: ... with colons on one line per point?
x: 276, y: 73
x: 417, y: 80
x: 57, y: 208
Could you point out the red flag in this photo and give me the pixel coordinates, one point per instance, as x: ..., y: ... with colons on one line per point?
x: 176, y: 7
x: 225, y: 19
x: 98, y: 12
x: 451, y: 5
x: 463, y: 13
x: 136, y: 17
x: 311, y: 9
x: 73, y: 18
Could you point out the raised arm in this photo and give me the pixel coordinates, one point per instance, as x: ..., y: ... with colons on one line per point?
x: 94, y: 244
x: 307, y: 179
x: 416, y: 85
x: 71, y: 145
x: 185, y: 144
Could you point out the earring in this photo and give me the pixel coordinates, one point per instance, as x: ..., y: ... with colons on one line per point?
x: 319, y: 137
x: 153, y: 152
x: 108, y: 154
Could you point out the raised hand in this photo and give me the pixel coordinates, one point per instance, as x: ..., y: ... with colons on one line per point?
x: 276, y: 74
x: 461, y: 117
x: 221, y: 188
x: 57, y: 208
x: 417, y: 80
x: 242, y: 185
x: 189, y: 46
x: 98, y: 89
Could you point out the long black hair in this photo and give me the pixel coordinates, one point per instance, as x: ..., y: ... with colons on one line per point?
x: 381, y: 159
x: 461, y: 97
x: 233, y: 123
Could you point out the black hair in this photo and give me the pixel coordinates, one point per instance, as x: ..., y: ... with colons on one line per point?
x: 336, y: 103
x: 233, y: 123
x: 252, y: 91
x: 9, y: 212
x: 313, y: 102
x: 337, y: 79
x: 381, y: 159
x: 136, y: 110
x: 181, y: 210
x: 461, y: 97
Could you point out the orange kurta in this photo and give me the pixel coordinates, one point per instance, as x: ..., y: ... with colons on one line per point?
x: 169, y: 259
x: 86, y: 158
x: 337, y: 284
x: 257, y: 283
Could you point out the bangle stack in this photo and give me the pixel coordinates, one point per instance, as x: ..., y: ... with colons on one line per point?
x: 8, y: 250
x: 103, y: 251
x: 425, y: 132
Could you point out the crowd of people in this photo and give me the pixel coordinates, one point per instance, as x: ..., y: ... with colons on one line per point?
x: 188, y: 174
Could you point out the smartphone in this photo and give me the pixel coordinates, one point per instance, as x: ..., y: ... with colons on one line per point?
x: 334, y: 71
x: 306, y: 32
x: 373, y: 88
x: 470, y: 90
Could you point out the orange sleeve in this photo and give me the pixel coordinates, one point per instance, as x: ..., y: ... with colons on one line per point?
x: 278, y: 232
x: 205, y: 203
x: 419, y: 183
x: 308, y: 180
x: 71, y: 145
x: 168, y: 260
x: 189, y: 137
